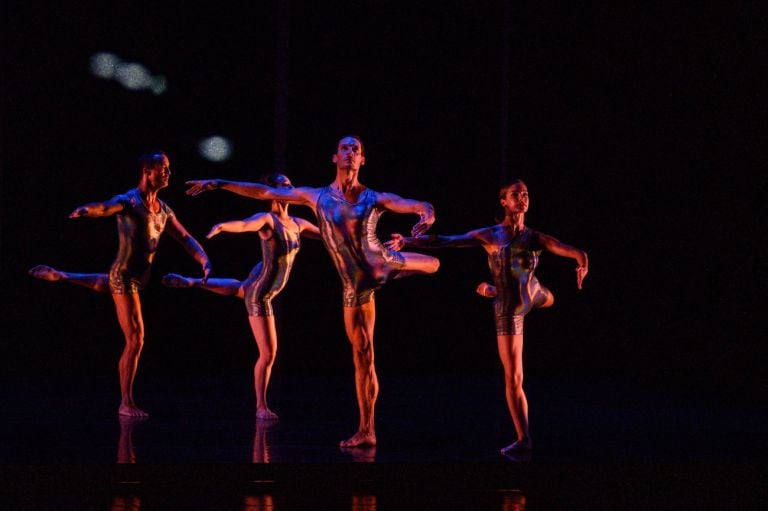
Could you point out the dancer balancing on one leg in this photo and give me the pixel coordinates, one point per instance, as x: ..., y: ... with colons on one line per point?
x: 280, y: 242
x: 513, y: 253
x: 347, y: 213
x: 141, y: 220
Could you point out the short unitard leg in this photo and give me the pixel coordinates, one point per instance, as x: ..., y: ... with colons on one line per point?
x: 541, y: 297
x: 416, y: 264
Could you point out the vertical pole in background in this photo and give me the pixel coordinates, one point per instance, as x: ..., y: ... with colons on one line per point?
x: 506, y: 89
x: 282, y: 44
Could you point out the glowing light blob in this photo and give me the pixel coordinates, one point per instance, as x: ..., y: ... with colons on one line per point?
x: 159, y: 84
x: 133, y: 76
x: 103, y: 64
x: 215, y: 148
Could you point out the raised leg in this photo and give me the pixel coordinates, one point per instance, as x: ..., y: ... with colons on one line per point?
x: 418, y: 264
x: 98, y: 282
x: 227, y: 287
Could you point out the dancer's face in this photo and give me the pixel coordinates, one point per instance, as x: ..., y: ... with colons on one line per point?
x: 515, y: 199
x: 349, y: 154
x: 159, y: 174
x: 282, y: 181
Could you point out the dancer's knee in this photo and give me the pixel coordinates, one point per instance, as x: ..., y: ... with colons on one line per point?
x: 514, y: 379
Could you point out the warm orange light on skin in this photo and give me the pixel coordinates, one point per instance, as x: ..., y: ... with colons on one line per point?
x: 125, y: 503
x: 364, y: 503
x: 258, y: 503
x: 142, y: 219
x: 345, y: 209
x: 513, y: 253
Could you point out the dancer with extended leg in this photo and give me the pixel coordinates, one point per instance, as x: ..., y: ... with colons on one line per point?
x: 280, y: 243
x: 513, y: 253
x: 141, y: 219
x: 347, y: 212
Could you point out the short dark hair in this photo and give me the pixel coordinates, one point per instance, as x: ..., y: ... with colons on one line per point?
x: 270, y: 179
x: 509, y: 183
x: 150, y: 158
x: 356, y: 137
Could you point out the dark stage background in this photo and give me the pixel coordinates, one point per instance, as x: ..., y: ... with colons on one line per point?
x: 638, y: 130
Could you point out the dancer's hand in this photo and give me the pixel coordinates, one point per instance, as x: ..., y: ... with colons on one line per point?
x: 199, y: 186
x: 207, y: 268
x: 396, y: 243
x: 79, y: 212
x: 423, y: 226
x: 216, y: 229
x: 581, y: 272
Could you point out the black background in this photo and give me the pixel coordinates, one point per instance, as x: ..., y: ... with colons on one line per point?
x: 638, y: 130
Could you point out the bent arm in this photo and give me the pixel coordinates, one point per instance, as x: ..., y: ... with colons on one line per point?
x: 561, y: 249
x: 190, y: 244
x: 254, y: 223
x: 98, y: 209
x: 397, y: 204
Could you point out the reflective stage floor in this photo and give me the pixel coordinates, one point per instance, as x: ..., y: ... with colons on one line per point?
x: 63, y: 447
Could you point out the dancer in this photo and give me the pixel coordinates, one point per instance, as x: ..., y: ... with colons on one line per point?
x: 347, y: 212
x: 141, y: 219
x: 280, y: 243
x: 513, y: 253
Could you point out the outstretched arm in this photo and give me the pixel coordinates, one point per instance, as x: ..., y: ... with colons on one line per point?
x: 190, y: 244
x: 97, y: 209
x: 397, y: 204
x: 470, y: 239
x: 254, y: 223
x: 563, y: 250
x: 259, y: 191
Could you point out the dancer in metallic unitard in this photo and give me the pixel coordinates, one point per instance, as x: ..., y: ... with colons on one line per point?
x: 141, y: 219
x: 347, y: 212
x: 513, y: 254
x: 280, y: 243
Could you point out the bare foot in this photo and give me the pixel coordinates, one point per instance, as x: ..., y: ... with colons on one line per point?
x: 132, y: 411
x: 486, y: 290
x: 359, y: 439
x: 44, y: 272
x: 175, y: 280
x: 519, y: 448
x: 265, y: 414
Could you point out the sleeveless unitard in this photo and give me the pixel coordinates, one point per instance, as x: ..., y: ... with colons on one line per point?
x: 517, y: 289
x: 139, y: 232
x: 349, y: 234
x: 268, y: 277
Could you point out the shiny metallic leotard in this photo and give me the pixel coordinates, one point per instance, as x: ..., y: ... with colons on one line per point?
x: 139, y: 231
x: 518, y: 290
x: 349, y: 233
x: 268, y: 277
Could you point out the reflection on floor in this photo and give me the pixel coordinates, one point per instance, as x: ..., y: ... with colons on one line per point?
x: 438, y: 447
